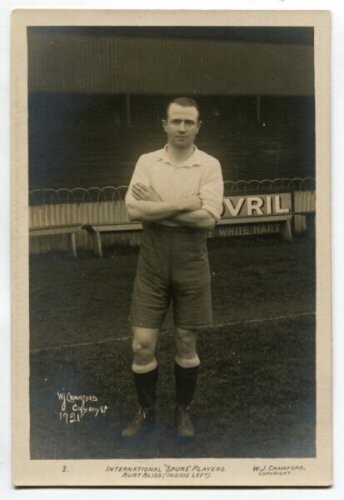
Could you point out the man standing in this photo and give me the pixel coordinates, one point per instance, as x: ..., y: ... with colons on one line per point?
x: 177, y: 193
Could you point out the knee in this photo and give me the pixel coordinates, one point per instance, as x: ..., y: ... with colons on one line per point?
x: 143, y: 351
x: 186, y: 342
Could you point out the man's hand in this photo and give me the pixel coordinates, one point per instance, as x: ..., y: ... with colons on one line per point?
x: 144, y: 193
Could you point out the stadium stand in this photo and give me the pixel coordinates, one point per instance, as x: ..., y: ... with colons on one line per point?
x: 92, y: 149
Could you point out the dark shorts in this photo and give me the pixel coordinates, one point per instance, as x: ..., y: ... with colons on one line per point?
x: 173, y: 266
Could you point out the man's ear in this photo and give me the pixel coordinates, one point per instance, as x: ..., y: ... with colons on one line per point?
x: 164, y: 124
x: 199, y: 125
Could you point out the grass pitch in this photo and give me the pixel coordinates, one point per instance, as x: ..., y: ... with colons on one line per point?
x: 256, y: 390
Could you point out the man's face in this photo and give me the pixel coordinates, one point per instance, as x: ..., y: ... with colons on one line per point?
x: 182, y: 125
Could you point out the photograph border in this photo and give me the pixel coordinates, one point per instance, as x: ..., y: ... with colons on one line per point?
x: 237, y: 472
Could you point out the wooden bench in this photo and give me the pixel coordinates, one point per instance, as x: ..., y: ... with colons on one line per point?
x: 95, y: 230
x: 69, y: 229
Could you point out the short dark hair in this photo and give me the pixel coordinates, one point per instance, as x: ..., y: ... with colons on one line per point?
x: 186, y: 102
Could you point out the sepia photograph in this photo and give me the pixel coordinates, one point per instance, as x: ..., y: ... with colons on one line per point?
x: 172, y: 274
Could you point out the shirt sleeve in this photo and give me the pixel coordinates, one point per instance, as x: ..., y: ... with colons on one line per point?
x: 139, y: 175
x: 211, y: 192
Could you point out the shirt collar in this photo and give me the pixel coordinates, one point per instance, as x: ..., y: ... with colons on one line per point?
x: 192, y: 161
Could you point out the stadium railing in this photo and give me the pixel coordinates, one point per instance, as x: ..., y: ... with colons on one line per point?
x: 101, y: 206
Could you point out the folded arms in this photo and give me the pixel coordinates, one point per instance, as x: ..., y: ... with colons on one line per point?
x: 146, y: 205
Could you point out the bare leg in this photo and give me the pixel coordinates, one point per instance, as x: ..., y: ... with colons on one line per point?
x: 143, y: 345
x: 186, y: 348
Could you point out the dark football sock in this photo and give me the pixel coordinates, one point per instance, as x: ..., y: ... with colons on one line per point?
x: 186, y: 379
x: 146, y: 385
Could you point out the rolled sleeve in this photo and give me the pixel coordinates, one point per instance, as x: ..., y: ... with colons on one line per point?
x: 140, y: 175
x: 211, y: 192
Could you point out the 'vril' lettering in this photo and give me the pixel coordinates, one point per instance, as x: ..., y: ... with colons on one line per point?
x: 255, y: 205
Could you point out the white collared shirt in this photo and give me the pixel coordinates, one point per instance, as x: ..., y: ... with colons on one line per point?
x: 200, y: 174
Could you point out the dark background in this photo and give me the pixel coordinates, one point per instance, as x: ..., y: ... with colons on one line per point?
x: 97, y: 97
